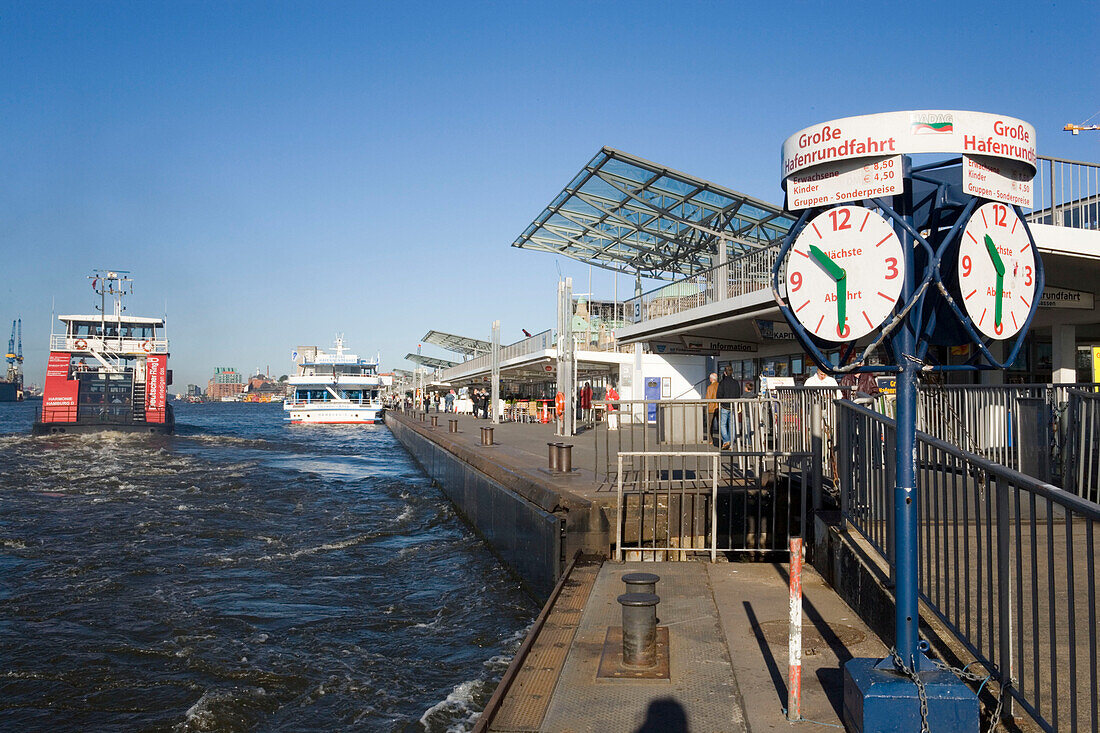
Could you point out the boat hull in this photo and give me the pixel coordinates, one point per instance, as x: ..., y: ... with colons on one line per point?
x: 325, y: 415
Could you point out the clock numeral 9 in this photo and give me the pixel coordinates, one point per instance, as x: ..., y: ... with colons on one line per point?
x: 796, y: 281
x: 967, y: 265
x: 846, y: 213
x: 891, y: 268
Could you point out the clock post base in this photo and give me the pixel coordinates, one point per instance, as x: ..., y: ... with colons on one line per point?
x: 880, y: 699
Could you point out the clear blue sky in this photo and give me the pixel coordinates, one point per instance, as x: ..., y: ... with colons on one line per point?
x: 279, y: 172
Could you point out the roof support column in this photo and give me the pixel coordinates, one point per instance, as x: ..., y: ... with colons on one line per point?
x: 565, y: 382
x: 494, y: 390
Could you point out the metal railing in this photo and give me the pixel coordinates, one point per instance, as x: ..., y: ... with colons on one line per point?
x: 539, y: 342
x: 1008, y: 563
x: 745, y: 274
x: 1082, y: 442
x: 683, y: 425
x: 673, y: 504
x: 110, y: 344
x: 1067, y: 193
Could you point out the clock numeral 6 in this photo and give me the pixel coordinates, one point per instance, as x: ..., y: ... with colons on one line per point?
x: 999, y: 328
x: 843, y: 332
x: 891, y: 268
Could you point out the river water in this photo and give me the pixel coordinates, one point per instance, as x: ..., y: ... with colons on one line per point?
x: 243, y: 574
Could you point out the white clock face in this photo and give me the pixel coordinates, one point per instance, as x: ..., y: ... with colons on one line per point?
x: 996, y: 271
x: 845, y: 273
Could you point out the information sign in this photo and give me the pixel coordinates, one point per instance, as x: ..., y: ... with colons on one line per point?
x: 998, y: 179
x: 845, y: 180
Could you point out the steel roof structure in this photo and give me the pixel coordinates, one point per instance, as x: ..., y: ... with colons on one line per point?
x: 429, y: 361
x: 458, y: 344
x: 631, y: 215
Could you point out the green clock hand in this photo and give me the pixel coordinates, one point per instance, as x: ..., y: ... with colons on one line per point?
x: 835, y: 271
x: 842, y: 303
x: 999, y: 266
x: 995, y: 256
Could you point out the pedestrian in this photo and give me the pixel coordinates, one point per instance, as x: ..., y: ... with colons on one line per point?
x: 586, y: 402
x: 611, y: 396
x: 728, y: 389
x: 710, y: 410
x: 449, y: 402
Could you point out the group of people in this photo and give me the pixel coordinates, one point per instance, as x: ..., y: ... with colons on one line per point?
x: 724, y: 415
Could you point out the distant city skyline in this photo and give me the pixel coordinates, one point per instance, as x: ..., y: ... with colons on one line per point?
x: 272, y: 175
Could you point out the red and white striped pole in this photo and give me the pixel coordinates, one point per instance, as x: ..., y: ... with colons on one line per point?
x: 794, y: 639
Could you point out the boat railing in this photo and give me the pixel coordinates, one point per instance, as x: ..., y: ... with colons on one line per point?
x: 63, y: 342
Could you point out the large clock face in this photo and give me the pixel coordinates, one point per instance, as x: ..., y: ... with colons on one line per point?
x: 996, y: 271
x: 845, y: 273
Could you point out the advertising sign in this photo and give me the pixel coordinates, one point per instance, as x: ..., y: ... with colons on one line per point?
x: 774, y: 330
x: 1096, y: 363
x: 156, y: 387
x: 59, y: 392
x: 1064, y: 298
x: 998, y: 179
x: 834, y: 161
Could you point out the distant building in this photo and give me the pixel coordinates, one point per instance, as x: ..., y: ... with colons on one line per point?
x: 261, y: 388
x: 226, y: 382
x: 193, y: 390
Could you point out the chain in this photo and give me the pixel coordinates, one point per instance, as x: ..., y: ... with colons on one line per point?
x: 994, y: 721
x: 911, y: 674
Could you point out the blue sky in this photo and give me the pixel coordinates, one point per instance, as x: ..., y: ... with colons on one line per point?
x: 278, y: 172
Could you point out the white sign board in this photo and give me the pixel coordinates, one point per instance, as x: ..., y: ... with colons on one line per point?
x: 846, y: 180
x: 817, y: 154
x: 998, y: 179
x: 1063, y: 298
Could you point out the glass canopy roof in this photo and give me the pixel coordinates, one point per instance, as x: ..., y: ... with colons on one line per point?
x: 631, y: 215
x: 429, y: 361
x: 458, y: 344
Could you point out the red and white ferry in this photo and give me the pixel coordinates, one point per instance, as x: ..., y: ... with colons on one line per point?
x: 107, y: 371
x: 335, y: 388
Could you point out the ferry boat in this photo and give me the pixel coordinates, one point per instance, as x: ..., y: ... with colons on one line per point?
x: 334, y: 388
x: 107, y: 371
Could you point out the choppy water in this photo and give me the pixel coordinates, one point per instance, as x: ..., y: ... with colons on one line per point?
x: 243, y: 574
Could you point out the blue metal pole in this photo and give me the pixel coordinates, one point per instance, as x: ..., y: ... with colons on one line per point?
x: 905, y: 493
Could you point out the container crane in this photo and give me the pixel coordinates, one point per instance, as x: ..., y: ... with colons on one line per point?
x: 1076, y: 129
x: 15, y: 352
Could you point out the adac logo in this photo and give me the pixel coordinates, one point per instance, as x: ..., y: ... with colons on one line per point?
x: 931, y: 124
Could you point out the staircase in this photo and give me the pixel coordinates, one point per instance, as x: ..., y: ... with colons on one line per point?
x: 139, y: 402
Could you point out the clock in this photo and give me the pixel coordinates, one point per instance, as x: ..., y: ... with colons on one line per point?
x: 996, y: 271
x: 845, y: 273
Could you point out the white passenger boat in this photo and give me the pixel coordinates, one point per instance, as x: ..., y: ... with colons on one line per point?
x: 334, y: 388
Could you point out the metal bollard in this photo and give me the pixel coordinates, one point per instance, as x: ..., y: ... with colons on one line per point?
x: 552, y: 455
x: 639, y: 629
x: 452, y: 426
x: 486, y: 436
x: 565, y: 457
x: 435, y: 421
x: 422, y: 416
x: 641, y: 582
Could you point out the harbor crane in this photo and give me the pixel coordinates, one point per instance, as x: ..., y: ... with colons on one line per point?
x: 1076, y: 129
x: 15, y: 351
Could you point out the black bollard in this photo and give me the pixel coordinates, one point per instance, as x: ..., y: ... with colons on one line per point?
x: 641, y: 582
x: 435, y: 421
x: 565, y: 457
x: 639, y: 629
x: 552, y: 455
x: 452, y: 426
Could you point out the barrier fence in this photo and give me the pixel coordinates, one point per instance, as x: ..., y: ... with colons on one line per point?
x: 643, y: 426
x: 1006, y: 561
x: 673, y: 504
x: 1083, y: 444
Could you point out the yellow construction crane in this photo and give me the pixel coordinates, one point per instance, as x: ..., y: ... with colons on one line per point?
x: 1075, y: 129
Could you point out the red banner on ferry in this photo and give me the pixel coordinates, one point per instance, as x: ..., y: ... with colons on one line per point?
x: 59, y: 394
x: 156, y: 387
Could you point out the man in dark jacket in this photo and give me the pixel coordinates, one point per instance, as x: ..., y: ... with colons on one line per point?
x: 728, y: 389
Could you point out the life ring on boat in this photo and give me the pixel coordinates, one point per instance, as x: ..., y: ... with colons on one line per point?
x: 147, y: 346
x: 559, y: 404
x: 80, y: 344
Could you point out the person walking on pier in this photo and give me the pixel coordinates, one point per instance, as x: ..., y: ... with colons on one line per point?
x: 728, y: 389
x: 586, y: 403
x: 610, y: 396
x: 449, y: 402
x: 710, y: 410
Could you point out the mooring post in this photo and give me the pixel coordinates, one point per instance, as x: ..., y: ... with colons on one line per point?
x: 639, y: 629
